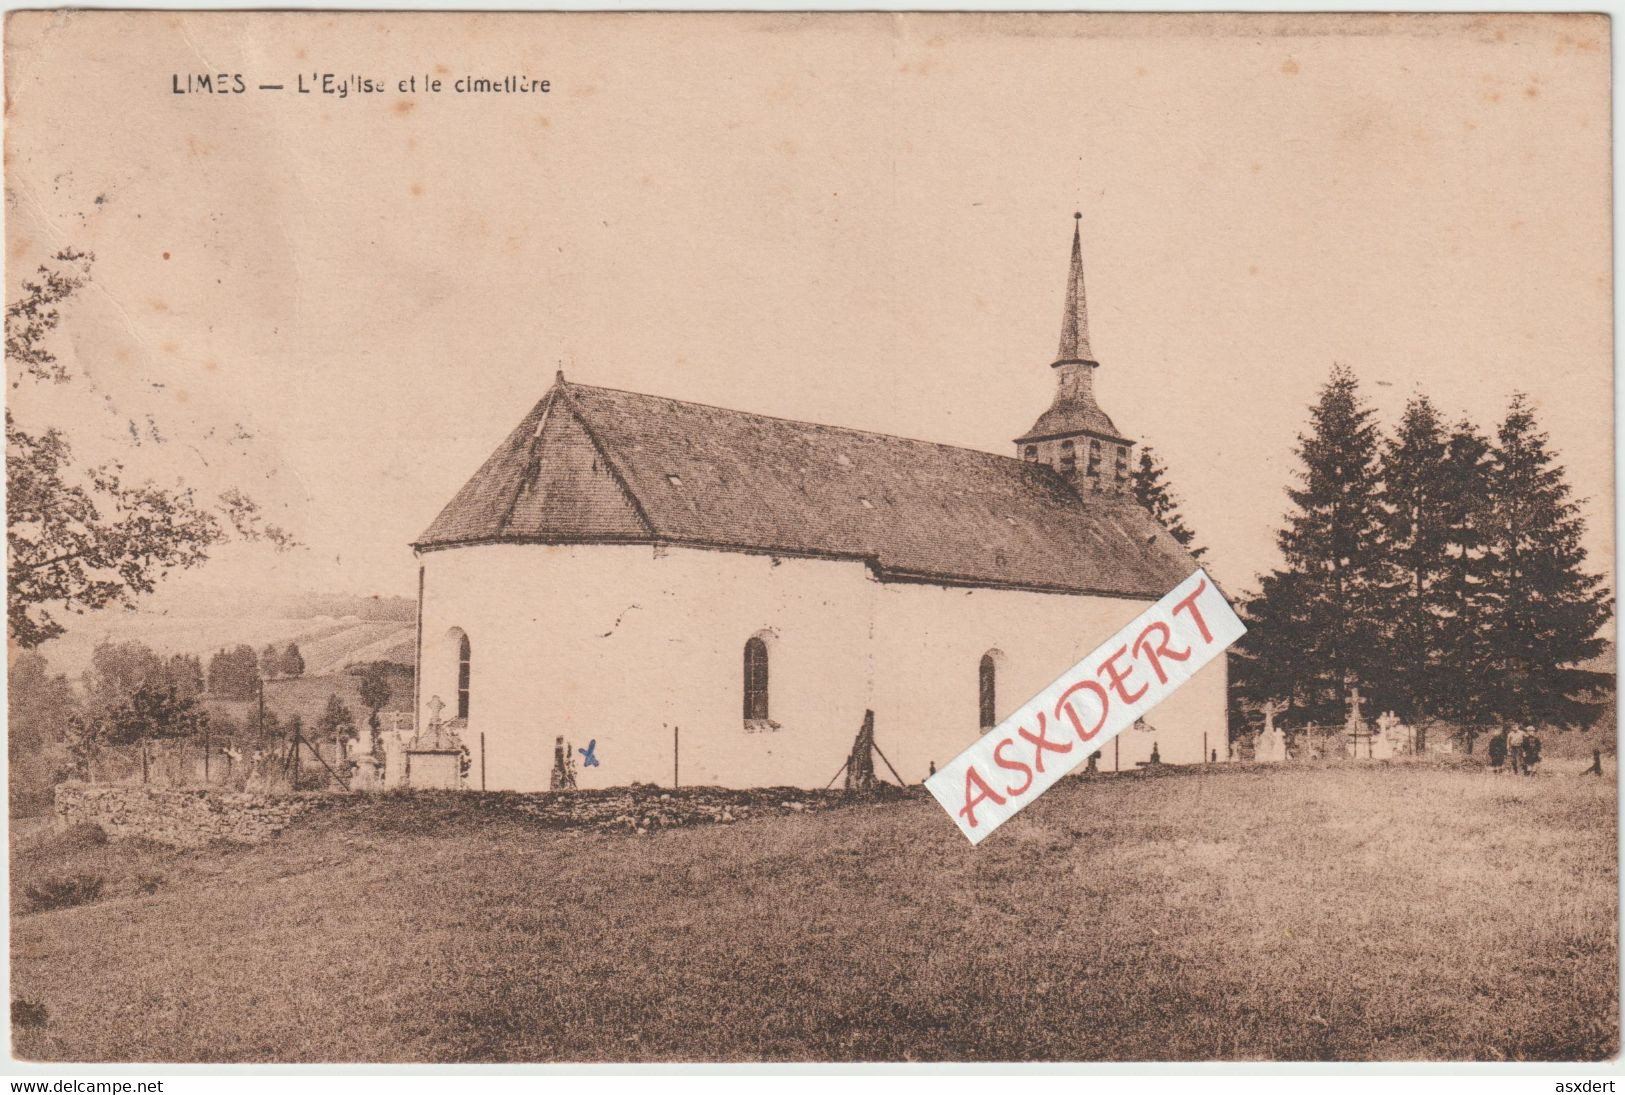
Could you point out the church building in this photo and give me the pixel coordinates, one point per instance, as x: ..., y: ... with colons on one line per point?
x: 675, y: 593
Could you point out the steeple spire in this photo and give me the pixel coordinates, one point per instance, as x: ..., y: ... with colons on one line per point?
x: 1076, y: 437
x: 1075, y: 320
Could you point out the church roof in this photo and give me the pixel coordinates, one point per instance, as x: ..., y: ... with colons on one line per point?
x: 591, y: 464
x: 1072, y: 416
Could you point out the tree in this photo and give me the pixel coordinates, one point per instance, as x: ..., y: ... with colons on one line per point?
x: 41, y: 708
x: 1543, y: 611
x: 1266, y: 664
x: 293, y: 663
x: 1415, y: 591
x: 85, y: 540
x: 117, y: 671
x: 133, y: 694
x: 374, y: 693
x: 336, y: 720
x: 39, y: 704
x: 1315, y: 620
x: 1463, y: 645
x: 270, y: 662
x: 1152, y: 491
x: 84, y: 537
x: 184, y: 673
x: 234, y: 674
x: 152, y: 711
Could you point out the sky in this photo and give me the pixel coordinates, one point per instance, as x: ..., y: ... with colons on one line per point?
x: 342, y: 305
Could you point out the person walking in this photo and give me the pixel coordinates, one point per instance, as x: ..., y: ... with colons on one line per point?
x: 1498, y: 751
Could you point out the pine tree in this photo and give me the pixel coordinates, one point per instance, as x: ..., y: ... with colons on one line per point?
x: 336, y: 720
x: 293, y: 663
x: 1463, y: 691
x: 1542, y: 611
x: 1314, y: 623
x: 1151, y: 490
x: 1415, y: 593
x: 1266, y: 663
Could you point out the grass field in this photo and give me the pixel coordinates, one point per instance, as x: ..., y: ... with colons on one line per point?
x: 307, y: 697
x: 1392, y: 912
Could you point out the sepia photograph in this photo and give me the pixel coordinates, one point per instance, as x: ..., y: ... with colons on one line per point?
x: 614, y: 538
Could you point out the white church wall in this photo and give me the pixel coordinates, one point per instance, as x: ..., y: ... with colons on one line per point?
x: 618, y: 645
x: 930, y: 641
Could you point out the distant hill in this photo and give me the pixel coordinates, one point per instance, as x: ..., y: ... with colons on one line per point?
x: 217, y: 601
x: 400, y: 610
x: 333, y: 631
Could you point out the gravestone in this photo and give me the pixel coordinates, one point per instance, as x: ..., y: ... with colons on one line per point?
x: 1396, y: 735
x: 1382, y: 745
x: 1270, y: 748
x: 1360, y: 737
x: 433, y: 757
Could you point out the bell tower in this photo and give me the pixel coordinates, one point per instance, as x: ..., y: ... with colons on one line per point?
x: 1075, y: 437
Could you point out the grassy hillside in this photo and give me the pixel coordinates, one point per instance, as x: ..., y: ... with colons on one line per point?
x: 1383, y: 912
x: 307, y: 697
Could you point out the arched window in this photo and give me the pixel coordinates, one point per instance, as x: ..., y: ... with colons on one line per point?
x: 1122, y: 464
x: 986, y: 688
x: 463, y: 652
x: 1030, y: 453
x: 1069, y: 456
x: 755, y: 679
x: 1094, y: 457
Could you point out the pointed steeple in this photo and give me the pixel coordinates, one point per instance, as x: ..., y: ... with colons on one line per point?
x: 1075, y: 320
x: 1076, y: 437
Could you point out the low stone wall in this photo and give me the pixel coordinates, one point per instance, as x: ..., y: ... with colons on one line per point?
x: 185, y: 819
x: 643, y: 809
x: 189, y: 819
x: 640, y: 808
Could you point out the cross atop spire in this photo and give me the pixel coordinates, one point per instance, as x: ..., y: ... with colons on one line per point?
x: 1075, y: 320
